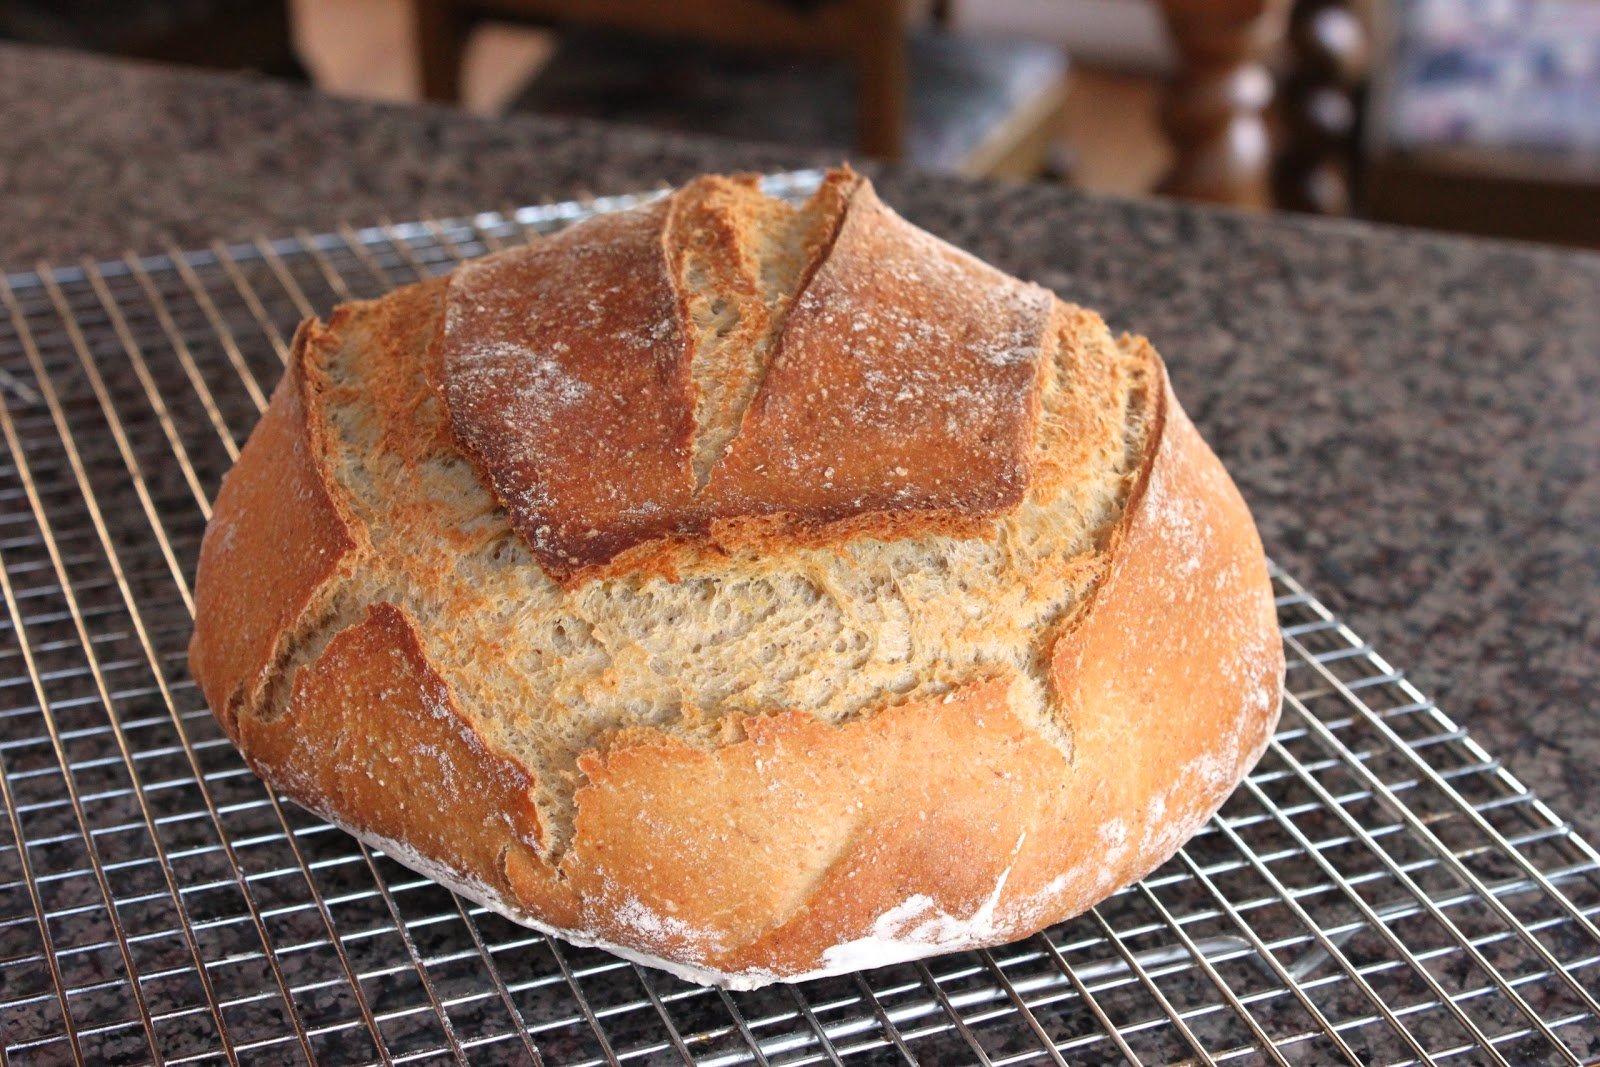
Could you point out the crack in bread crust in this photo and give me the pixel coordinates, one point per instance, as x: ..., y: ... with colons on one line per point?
x: 738, y: 264
x: 622, y: 391
x: 282, y: 535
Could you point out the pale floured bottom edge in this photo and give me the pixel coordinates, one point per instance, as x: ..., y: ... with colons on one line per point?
x: 914, y: 929
x: 875, y: 950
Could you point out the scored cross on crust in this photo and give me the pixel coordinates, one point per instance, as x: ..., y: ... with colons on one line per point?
x: 719, y: 366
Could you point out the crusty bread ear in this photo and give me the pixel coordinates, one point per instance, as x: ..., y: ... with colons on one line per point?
x: 279, y: 535
x: 738, y: 260
x: 755, y: 744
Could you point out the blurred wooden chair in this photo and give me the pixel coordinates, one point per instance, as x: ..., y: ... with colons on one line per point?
x: 942, y: 101
x: 868, y: 33
x: 1261, y: 110
x: 219, y: 34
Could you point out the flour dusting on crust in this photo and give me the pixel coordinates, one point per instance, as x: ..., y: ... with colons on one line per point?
x: 910, y: 931
x: 919, y: 927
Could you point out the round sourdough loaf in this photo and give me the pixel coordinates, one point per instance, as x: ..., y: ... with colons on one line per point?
x: 757, y: 591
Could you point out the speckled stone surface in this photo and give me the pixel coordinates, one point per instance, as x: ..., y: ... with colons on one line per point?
x: 102, y: 156
x: 1415, y: 419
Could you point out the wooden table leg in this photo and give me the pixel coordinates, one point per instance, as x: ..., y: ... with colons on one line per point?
x: 881, y: 73
x: 1214, y: 109
x: 439, y: 32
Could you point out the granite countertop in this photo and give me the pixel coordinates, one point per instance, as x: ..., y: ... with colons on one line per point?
x: 1415, y: 419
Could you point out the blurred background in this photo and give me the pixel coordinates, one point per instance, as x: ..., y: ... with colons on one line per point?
x: 1481, y: 116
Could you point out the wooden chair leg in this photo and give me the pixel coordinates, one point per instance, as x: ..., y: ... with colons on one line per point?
x: 881, y: 74
x: 439, y: 29
x: 1214, y: 109
x: 1328, y: 59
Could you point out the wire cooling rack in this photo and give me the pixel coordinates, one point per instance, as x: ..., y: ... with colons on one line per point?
x: 1380, y: 891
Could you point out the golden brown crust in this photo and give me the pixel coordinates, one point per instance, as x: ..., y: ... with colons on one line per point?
x: 276, y: 539
x: 783, y: 854
x: 545, y: 369
x: 904, y: 382
x: 401, y: 326
x: 808, y: 846
x: 899, y: 398
x: 834, y: 826
x: 787, y: 845
x: 371, y: 737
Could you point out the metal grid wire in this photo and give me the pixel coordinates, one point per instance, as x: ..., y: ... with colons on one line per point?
x: 1380, y: 891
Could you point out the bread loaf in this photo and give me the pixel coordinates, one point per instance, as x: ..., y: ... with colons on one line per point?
x: 756, y: 591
